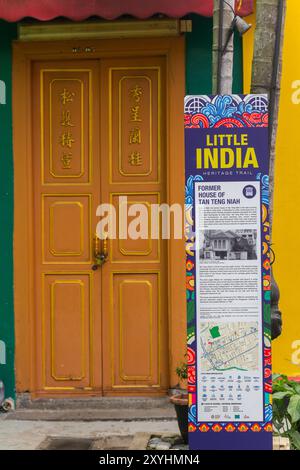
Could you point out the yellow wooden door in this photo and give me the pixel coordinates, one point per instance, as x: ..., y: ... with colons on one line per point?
x: 66, y: 189
x: 102, y: 331
x: 133, y: 167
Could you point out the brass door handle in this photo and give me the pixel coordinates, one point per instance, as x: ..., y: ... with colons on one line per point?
x: 100, y: 256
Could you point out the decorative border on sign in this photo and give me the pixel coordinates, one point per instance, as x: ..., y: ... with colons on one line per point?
x: 230, y: 112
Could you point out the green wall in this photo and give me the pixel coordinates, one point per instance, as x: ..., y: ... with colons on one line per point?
x: 199, y: 58
x: 7, y: 33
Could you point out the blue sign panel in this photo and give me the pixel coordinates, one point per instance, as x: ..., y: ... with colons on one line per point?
x: 228, y: 272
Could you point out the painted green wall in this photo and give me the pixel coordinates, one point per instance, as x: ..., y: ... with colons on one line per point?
x: 7, y: 33
x: 199, y: 58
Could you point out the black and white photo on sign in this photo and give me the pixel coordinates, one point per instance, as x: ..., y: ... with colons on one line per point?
x: 223, y: 244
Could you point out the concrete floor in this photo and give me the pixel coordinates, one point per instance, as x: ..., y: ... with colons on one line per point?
x: 35, y: 420
x: 27, y: 435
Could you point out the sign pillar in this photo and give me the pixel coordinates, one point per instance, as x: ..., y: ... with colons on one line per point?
x: 228, y: 272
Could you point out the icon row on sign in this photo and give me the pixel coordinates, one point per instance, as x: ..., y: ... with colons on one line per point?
x: 231, y: 388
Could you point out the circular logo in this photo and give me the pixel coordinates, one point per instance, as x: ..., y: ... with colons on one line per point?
x: 249, y: 191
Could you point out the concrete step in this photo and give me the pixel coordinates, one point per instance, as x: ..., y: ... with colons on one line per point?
x: 93, y: 414
x: 25, y: 402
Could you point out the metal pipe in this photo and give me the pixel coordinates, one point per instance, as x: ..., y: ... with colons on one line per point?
x: 274, y: 80
x: 220, y: 45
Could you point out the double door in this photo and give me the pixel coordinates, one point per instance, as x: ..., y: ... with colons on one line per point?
x: 98, y: 138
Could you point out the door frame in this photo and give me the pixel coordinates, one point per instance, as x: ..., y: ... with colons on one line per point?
x: 24, y: 54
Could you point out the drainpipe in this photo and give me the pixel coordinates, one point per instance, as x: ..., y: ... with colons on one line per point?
x: 266, y: 75
x: 276, y: 318
x: 274, y: 94
x: 222, y: 60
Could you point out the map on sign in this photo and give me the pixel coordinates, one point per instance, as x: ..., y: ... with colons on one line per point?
x: 229, y: 346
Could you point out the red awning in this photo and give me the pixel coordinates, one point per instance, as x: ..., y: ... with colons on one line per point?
x: 78, y: 10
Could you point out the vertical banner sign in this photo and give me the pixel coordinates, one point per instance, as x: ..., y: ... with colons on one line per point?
x: 228, y: 272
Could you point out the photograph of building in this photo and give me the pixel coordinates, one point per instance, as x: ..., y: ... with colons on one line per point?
x: 229, y: 245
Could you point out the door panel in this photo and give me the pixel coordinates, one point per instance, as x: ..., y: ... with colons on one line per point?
x: 66, y: 242
x: 66, y: 114
x: 66, y: 336
x: 66, y: 194
x: 135, y: 250
x: 135, y: 313
x: 98, y: 134
x: 135, y: 121
x: 136, y: 324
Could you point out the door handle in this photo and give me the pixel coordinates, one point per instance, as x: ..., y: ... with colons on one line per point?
x: 100, y: 255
